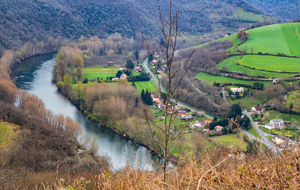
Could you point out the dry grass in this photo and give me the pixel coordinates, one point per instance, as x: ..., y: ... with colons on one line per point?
x: 219, y: 169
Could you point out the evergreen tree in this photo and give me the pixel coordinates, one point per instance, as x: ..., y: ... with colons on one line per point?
x: 291, y: 106
x: 129, y: 64
x: 149, y: 100
x: 133, y: 84
x: 119, y: 73
x: 215, y: 118
x: 136, y: 53
x: 235, y: 111
x: 143, y: 95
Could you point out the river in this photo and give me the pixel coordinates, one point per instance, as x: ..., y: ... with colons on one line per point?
x: 35, y: 76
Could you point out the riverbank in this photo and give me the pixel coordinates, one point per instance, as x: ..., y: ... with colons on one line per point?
x: 173, y: 159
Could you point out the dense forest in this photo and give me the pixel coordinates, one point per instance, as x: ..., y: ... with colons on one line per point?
x: 286, y: 9
x: 32, y: 21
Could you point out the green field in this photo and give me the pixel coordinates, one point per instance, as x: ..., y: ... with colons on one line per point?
x: 284, y: 132
x: 211, y: 79
x: 253, y: 132
x: 230, y: 139
x: 95, y: 72
x: 248, y: 101
x: 267, y: 39
x: 271, y: 63
x: 284, y: 116
x: 292, y: 37
x: 147, y: 85
x: 232, y: 66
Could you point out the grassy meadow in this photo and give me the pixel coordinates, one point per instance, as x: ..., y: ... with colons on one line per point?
x: 271, y: 63
x: 232, y: 66
x: 211, y: 79
x: 267, y: 39
x: 146, y: 85
x: 95, y: 72
x: 292, y: 37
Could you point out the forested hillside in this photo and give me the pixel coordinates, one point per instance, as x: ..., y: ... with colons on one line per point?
x: 286, y: 9
x: 37, y: 20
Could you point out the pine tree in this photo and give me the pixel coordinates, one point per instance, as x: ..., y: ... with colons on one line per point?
x: 136, y: 53
x: 133, y: 84
x: 149, y: 100
x: 143, y: 95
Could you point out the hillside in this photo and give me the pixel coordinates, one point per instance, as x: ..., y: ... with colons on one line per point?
x: 286, y: 9
x: 36, y: 20
x: 271, y: 52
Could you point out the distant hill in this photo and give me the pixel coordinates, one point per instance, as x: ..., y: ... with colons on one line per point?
x: 36, y: 20
x: 286, y: 9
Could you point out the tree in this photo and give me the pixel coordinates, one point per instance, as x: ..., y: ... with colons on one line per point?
x: 215, y: 118
x: 169, y: 28
x: 252, y: 49
x: 129, y: 64
x: 119, y: 73
x: 68, y: 79
x: 225, y: 68
x: 79, y: 72
x: 133, y: 84
x: 136, y: 53
x: 291, y: 106
x: 235, y: 111
x: 143, y: 95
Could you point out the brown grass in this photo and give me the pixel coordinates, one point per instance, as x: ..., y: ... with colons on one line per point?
x: 219, y: 169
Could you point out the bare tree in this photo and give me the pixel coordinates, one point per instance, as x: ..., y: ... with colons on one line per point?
x: 164, y: 136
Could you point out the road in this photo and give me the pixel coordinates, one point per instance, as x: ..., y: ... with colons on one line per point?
x: 264, y: 139
x: 163, y: 90
x: 224, y: 97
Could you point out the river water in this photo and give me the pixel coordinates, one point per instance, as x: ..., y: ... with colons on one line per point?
x: 35, y: 75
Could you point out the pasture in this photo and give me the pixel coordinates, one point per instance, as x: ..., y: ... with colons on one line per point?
x: 271, y: 63
x: 146, y: 85
x: 291, y: 32
x: 266, y: 39
x: 95, y: 72
x: 232, y: 66
x: 211, y: 79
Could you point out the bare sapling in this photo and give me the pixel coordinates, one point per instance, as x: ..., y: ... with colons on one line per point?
x: 163, y: 136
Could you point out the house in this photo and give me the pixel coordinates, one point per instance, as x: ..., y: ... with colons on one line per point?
x: 137, y: 69
x: 241, y: 89
x: 282, y: 140
x: 115, y: 79
x: 159, y: 71
x: 218, y: 128
x: 257, y: 109
x: 181, y: 112
x: 270, y: 126
x: 110, y: 63
x: 207, y: 122
x: 154, y: 62
x: 155, y: 97
x: 278, y: 123
x: 187, y: 117
x: 275, y: 81
x: 123, y: 76
x: 162, y: 76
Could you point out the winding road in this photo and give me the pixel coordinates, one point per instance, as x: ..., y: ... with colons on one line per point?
x: 163, y: 90
x: 264, y: 139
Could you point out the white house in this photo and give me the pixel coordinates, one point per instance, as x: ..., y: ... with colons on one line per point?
x: 241, y: 89
x: 270, y: 126
x: 218, y: 128
x: 257, y: 109
x: 278, y: 123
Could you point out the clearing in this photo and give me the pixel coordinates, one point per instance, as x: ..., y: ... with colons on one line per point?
x: 146, y: 85
x: 95, y: 72
x: 211, y: 79
x: 271, y: 63
x: 232, y: 66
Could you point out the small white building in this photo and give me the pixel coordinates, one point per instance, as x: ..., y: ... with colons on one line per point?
x: 241, y: 89
x: 115, y: 79
x: 257, y: 109
x: 218, y: 128
x: 269, y: 126
x: 278, y: 123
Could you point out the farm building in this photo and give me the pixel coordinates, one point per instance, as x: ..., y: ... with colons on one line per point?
x: 110, y: 63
